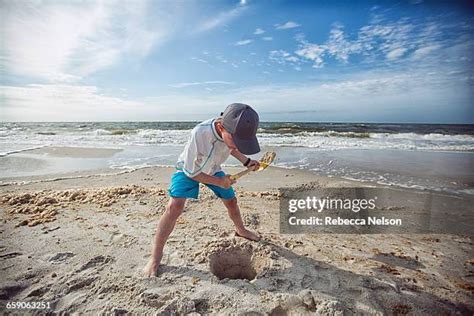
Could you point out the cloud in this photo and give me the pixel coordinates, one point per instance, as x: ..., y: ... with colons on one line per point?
x: 200, y: 60
x: 243, y: 42
x: 259, y: 31
x: 189, y: 84
x: 429, y: 96
x: 66, y: 102
x: 287, y: 25
x: 64, y: 41
x: 221, y: 19
x: 267, y: 38
x: 396, y: 53
x: 424, y: 51
x: 57, y: 102
x: 339, y: 46
x: 404, y: 41
x: 282, y: 57
x: 404, y: 95
x: 222, y: 59
x: 313, y: 52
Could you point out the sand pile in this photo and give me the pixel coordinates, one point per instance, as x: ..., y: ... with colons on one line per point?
x: 270, y: 195
x: 43, y: 206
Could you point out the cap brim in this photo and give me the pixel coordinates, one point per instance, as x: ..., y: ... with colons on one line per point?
x: 247, y: 146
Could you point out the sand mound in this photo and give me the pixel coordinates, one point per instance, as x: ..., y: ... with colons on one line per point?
x: 43, y: 206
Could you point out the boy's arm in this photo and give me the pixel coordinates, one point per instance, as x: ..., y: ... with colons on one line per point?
x: 243, y: 159
x: 224, y: 182
x: 239, y: 156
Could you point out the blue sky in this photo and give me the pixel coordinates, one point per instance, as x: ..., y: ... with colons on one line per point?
x: 342, y: 61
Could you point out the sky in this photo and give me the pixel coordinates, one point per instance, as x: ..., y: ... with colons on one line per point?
x: 322, y: 61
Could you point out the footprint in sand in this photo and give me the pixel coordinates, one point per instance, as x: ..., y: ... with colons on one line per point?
x: 10, y: 255
x: 79, y: 283
x: 9, y: 291
x: 122, y: 240
x: 399, y: 260
x: 60, y: 257
x: 38, y: 292
x: 96, y: 262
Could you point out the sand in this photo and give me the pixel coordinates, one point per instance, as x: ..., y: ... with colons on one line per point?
x: 75, y: 152
x: 80, y: 241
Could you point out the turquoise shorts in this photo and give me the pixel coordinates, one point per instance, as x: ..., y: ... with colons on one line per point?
x: 182, y: 186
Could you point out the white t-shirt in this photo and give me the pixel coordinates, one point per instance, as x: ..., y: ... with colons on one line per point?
x: 204, y: 152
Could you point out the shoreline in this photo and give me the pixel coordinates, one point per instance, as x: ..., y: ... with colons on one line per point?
x: 394, y: 168
x: 162, y: 174
x: 303, y: 177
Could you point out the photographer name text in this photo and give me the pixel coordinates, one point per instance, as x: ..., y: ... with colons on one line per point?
x: 338, y: 221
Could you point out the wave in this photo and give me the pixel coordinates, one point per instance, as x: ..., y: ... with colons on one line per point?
x: 313, y: 131
x: 312, y: 135
x: 430, y: 136
x: 404, y: 141
x: 338, y: 134
x: 100, y: 132
x: 16, y: 151
x: 121, y: 131
x: 158, y: 133
x: 332, y: 133
x: 93, y: 175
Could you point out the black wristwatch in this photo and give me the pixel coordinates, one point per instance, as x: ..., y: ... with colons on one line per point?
x: 247, y: 162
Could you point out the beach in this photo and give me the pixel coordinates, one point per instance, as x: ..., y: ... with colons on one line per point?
x: 79, y: 240
x: 241, y: 157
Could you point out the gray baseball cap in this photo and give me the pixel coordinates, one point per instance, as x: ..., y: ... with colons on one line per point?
x: 242, y: 122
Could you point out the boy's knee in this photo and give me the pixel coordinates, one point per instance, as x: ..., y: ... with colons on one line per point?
x: 231, y: 202
x: 175, y: 207
x: 174, y: 210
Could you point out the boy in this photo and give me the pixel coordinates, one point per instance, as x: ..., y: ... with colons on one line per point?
x: 211, y: 143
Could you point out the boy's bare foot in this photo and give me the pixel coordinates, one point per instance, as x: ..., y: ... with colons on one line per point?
x: 151, y: 267
x: 247, y: 234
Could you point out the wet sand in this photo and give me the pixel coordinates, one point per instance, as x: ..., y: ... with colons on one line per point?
x: 75, y: 152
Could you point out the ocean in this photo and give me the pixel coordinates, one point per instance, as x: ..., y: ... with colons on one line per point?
x: 436, y: 157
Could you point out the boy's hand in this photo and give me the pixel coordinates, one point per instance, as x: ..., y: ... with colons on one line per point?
x: 225, y: 182
x: 254, y: 165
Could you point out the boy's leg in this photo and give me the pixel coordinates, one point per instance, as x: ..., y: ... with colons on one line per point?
x: 165, y: 226
x: 230, y: 201
x: 234, y: 214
